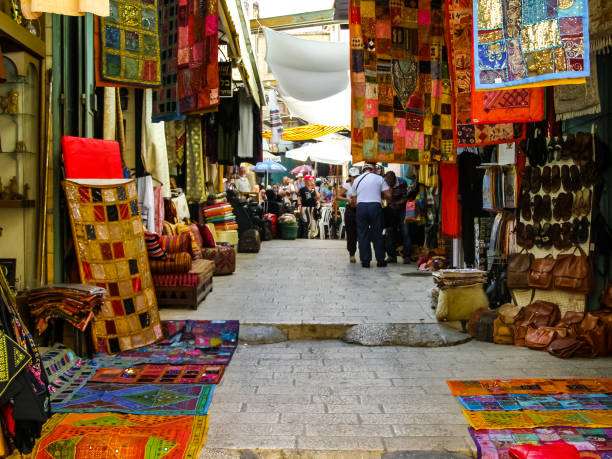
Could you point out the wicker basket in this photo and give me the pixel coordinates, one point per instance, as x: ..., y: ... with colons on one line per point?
x: 565, y: 300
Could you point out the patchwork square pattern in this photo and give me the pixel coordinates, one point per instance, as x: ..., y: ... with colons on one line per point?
x: 129, y: 48
x: 119, y: 263
x: 517, y: 42
x: 402, y: 114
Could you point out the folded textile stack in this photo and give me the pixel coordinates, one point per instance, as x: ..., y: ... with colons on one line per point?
x: 75, y: 303
x: 221, y: 216
x: 447, y: 278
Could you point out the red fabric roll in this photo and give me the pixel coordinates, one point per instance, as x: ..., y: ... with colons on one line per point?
x: 451, y: 210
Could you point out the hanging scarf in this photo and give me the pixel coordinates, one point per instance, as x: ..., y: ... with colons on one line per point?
x: 572, y: 101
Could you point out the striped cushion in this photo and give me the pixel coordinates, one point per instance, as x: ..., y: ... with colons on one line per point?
x: 175, y: 263
x: 176, y: 244
x: 154, y: 245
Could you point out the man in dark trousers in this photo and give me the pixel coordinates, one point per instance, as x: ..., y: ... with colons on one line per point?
x: 350, y: 223
x: 370, y: 188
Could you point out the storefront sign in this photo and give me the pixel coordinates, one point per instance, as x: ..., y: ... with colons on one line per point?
x: 225, y: 79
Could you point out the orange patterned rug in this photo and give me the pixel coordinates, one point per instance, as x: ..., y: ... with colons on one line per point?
x: 530, y: 386
x: 529, y: 419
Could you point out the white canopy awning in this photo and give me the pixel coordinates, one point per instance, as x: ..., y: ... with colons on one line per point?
x: 335, y: 152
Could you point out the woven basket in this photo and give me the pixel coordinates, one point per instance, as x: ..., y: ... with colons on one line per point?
x: 565, y: 300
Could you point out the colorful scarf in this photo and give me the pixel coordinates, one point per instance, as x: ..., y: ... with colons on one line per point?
x: 401, y: 101
x: 195, y: 190
x: 517, y: 42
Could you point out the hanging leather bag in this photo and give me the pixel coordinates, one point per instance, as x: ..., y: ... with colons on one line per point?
x: 519, y: 268
x: 541, y: 274
x: 573, y: 273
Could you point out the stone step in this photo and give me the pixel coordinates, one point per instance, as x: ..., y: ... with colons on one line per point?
x: 328, y: 454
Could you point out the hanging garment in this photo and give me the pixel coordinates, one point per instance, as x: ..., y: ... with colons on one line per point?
x: 170, y: 146
x: 154, y: 153
x: 159, y: 209
x: 33, y: 9
x: 109, y: 129
x: 195, y: 191
x: 227, y: 118
x: 181, y: 138
x: 600, y: 25
x: 400, y: 83
x: 572, y: 101
x: 245, y: 135
x: 451, y: 217
x: 257, y: 134
x: 146, y: 200
x: 470, y: 190
x: 275, y: 119
x: 210, y: 134
x: 198, y: 43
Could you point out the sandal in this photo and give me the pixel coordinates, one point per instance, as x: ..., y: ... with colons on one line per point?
x: 525, y: 206
x: 565, y: 240
x: 583, y: 230
x: 555, y: 179
x: 587, y: 197
x: 577, y: 205
x: 568, y: 145
x: 546, y: 239
x: 575, y: 230
x: 539, y: 234
x: 535, y: 180
x: 555, y: 235
x: 546, y: 179
x: 566, y: 210
x: 546, y: 207
x: 531, y: 233
x: 566, y: 181
x: 537, y: 209
x: 526, y: 178
x: 575, y: 177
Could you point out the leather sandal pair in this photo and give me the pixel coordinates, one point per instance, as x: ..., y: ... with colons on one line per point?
x: 576, y: 182
x: 582, y: 203
x: 561, y: 235
x: 535, y: 182
x: 543, y: 239
x: 551, y: 179
x: 580, y: 230
x: 582, y: 151
x: 555, y: 148
x: 524, y: 235
x: 525, y: 206
x: 562, y: 206
x: 542, y: 208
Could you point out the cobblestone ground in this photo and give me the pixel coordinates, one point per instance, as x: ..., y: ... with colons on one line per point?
x: 329, y: 399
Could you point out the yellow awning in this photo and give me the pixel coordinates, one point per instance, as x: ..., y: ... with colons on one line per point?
x: 310, y: 131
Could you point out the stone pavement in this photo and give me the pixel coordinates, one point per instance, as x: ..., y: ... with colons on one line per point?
x: 325, y: 399
x: 312, y: 282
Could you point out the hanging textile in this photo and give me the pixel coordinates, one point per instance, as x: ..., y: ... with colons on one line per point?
x: 195, y: 190
x: 158, y: 200
x: 227, y: 118
x: 153, y: 145
x: 256, y: 137
x: 146, y: 200
x: 400, y: 83
x: 473, y: 108
x: 33, y: 9
x: 276, y: 135
x: 165, y: 99
x: 245, y: 134
x: 198, y: 42
x: 127, y: 49
x: 529, y: 41
x: 572, y: 101
x: 450, y: 209
x: 109, y: 129
x: 600, y: 25
x: 170, y: 132
x: 308, y: 132
x: 210, y: 133
x: 181, y: 138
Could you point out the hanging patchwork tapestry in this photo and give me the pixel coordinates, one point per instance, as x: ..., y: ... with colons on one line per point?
x: 161, y: 399
x: 472, y: 110
x: 600, y: 25
x: 529, y: 419
x: 401, y: 100
x: 66, y: 372
x: 590, y: 442
x: 128, y: 52
x: 198, y: 42
x: 162, y: 374
x: 530, y: 386
x: 112, y: 435
x: 110, y: 247
x: 536, y: 402
x: 13, y: 359
x: 518, y: 42
x: 165, y: 99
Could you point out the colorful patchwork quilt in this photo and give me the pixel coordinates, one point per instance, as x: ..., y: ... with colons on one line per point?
x: 110, y: 247
x: 161, y: 374
x: 517, y: 42
x: 66, y: 372
x: 537, y: 402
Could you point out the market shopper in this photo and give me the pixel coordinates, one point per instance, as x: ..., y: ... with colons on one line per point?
x: 369, y: 189
x: 350, y: 224
x: 396, y: 232
x: 308, y: 201
x: 299, y: 182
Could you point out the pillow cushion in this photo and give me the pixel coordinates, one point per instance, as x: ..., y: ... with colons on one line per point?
x: 177, y: 244
x: 208, y: 240
x: 154, y: 245
x: 196, y: 251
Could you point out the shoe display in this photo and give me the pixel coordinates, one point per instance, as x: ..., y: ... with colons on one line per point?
x: 535, y: 180
x: 546, y: 179
x: 568, y: 145
x: 565, y: 240
x: 574, y: 173
x: 583, y: 230
x: 546, y: 207
x: 566, y: 181
x: 546, y: 238
x: 555, y: 236
x: 576, y: 206
x: 555, y: 179
x: 537, y: 209
x: 525, y: 179
x: 525, y: 206
x: 587, y: 197
x: 539, y: 234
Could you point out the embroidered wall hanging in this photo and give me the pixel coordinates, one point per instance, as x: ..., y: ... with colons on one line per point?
x: 129, y: 44
x: 198, y: 42
x: 165, y: 99
x: 66, y: 372
x: 401, y: 100
x: 94, y: 436
x: 475, y: 111
x: 13, y: 359
x: 517, y: 42
x: 110, y: 247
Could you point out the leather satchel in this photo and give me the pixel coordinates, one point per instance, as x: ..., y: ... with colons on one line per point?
x: 605, y: 299
x: 573, y: 273
x: 539, y: 338
x: 537, y: 314
x: 594, y: 335
x: 541, y: 274
x: 519, y: 268
x: 564, y: 348
x: 571, y: 322
x: 503, y: 326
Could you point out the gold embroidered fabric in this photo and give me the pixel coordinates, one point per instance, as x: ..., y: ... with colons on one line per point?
x: 33, y: 9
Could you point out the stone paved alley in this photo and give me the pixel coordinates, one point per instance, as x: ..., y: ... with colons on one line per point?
x: 327, y: 398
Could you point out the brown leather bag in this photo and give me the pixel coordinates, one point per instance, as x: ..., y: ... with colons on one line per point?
x: 594, y: 335
x: 573, y: 273
x: 539, y: 338
x: 541, y: 275
x: 605, y: 299
x: 503, y: 327
x: 537, y: 314
x: 564, y: 348
x: 571, y: 322
x: 606, y: 316
x: 519, y: 268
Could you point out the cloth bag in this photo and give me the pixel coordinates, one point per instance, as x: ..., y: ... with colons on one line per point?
x: 519, y: 268
x: 573, y: 273
x: 541, y: 274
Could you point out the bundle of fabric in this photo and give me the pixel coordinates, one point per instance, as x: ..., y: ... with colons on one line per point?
x: 446, y: 278
x: 198, y: 273
x: 221, y: 215
x: 75, y: 303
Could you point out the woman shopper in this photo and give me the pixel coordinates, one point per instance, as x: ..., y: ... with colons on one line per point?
x: 350, y: 222
x: 308, y: 200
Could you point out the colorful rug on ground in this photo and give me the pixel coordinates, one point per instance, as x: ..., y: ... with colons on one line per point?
x: 401, y: 95
x: 518, y: 42
x: 158, y: 399
x: 112, y: 435
x: 591, y: 442
x: 66, y: 372
x: 529, y: 419
x: 111, y: 253
x: 530, y: 386
x: 161, y: 374
x: 536, y: 402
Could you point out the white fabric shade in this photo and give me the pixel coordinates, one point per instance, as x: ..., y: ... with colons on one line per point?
x: 332, y: 111
x: 335, y: 152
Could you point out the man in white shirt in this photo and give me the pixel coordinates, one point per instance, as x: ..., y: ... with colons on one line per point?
x: 242, y: 182
x: 370, y: 188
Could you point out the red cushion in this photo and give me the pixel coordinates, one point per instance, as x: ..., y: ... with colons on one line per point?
x: 154, y: 245
x: 208, y: 241
x: 91, y: 158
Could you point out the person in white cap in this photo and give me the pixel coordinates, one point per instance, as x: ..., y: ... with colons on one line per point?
x: 350, y: 224
x: 299, y: 182
x: 370, y: 188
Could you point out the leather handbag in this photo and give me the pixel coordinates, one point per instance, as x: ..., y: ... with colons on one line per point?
x: 573, y: 273
x: 571, y: 322
x: 537, y: 314
x: 503, y: 326
x: 564, y: 348
x: 519, y: 268
x: 605, y: 299
x: 594, y: 334
x: 539, y: 338
x: 541, y: 274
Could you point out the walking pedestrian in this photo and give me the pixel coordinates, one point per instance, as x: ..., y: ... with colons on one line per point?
x: 350, y: 223
x: 370, y: 188
x: 396, y: 232
x: 308, y: 200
